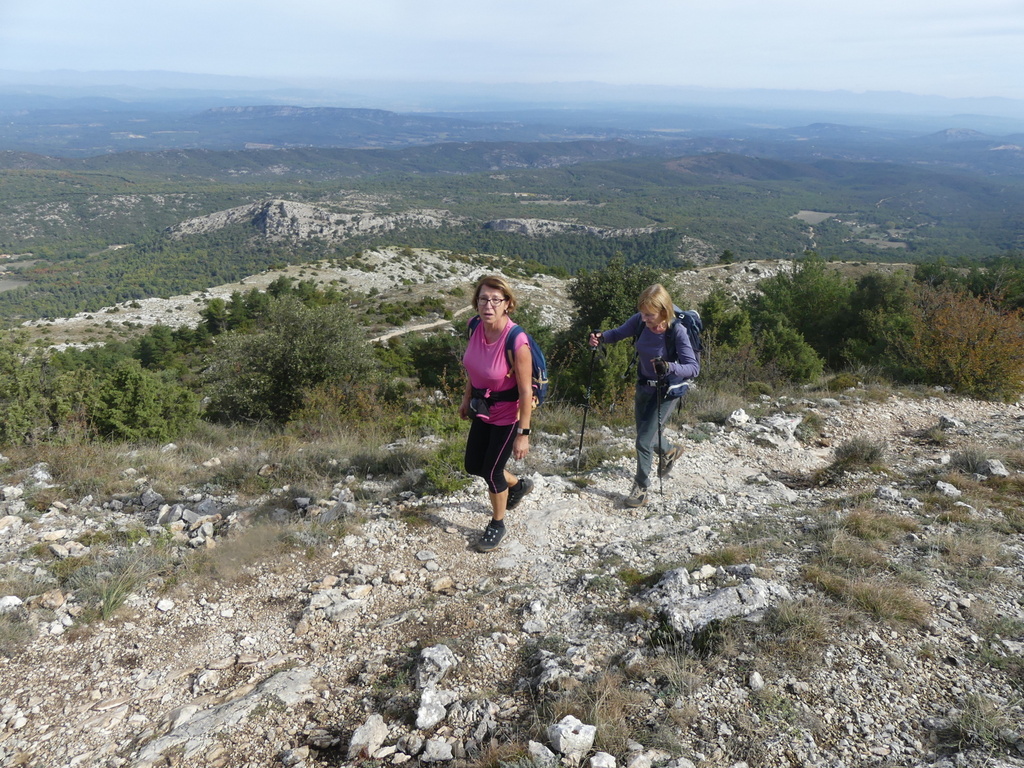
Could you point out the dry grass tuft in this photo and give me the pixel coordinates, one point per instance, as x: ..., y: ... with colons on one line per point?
x: 264, y: 542
x: 982, y: 722
x: 730, y: 554
x: 852, y: 554
x: 608, y: 703
x: 879, y: 599
x: 104, y: 586
x: 871, y: 525
x: 971, y: 459
x: 797, y: 632
x: 857, y: 453
x: 713, y: 405
x: 971, y: 558
x: 674, y: 669
x: 16, y: 631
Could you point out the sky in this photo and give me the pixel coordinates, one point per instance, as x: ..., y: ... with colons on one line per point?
x: 961, y: 48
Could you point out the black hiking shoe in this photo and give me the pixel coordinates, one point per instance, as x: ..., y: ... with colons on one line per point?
x: 491, y: 538
x: 517, y: 491
x: 669, y: 460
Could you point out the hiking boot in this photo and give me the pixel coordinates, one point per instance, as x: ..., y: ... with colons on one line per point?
x: 668, y: 460
x: 517, y: 491
x: 491, y: 537
x: 637, y: 497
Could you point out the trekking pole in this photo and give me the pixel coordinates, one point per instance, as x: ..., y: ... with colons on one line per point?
x: 661, y: 449
x: 586, y: 404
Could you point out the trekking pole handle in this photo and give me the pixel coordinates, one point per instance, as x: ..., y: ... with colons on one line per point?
x: 595, y: 338
x: 660, y: 367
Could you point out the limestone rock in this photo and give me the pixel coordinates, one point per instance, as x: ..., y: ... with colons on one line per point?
x: 434, y: 663
x: 571, y: 737
x: 367, y: 738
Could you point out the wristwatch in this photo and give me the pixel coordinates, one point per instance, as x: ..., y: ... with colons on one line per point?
x: 521, y: 431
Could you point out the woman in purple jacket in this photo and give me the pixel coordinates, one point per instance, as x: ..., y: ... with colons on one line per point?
x: 665, y: 361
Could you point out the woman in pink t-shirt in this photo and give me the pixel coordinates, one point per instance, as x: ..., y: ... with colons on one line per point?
x: 498, y: 398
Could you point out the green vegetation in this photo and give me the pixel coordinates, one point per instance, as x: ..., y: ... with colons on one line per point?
x: 298, y: 350
x: 96, y: 229
x: 266, y: 373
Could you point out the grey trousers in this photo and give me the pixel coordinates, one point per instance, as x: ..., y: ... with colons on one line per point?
x: 645, y: 408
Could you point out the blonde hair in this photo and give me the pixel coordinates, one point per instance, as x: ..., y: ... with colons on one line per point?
x: 498, y: 283
x: 655, y: 299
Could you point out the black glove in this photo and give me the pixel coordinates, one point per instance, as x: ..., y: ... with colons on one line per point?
x: 660, y: 368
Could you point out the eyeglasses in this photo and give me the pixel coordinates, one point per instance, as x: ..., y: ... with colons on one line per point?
x: 483, y: 302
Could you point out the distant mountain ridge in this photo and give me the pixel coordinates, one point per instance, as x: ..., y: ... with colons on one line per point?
x: 461, y: 143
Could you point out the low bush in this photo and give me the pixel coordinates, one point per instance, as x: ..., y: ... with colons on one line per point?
x: 857, y: 453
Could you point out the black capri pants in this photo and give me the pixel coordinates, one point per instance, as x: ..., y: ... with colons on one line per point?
x: 487, y: 450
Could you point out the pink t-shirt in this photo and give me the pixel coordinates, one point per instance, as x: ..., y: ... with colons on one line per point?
x: 487, y: 367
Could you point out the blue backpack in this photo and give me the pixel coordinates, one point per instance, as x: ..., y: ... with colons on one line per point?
x: 540, y: 365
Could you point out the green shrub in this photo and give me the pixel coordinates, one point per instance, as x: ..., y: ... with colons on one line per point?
x: 22, y: 405
x: 437, y: 360
x: 841, y: 382
x: 136, y: 404
x: 809, y: 307
x: 725, y: 325
x: 782, y: 346
x: 264, y: 376
x: 810, y: 427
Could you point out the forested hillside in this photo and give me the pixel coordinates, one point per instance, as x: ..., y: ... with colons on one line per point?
x: 88, y: 233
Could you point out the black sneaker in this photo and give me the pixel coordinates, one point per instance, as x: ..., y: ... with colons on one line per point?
x: 668, y: 461
x: 517, y: 491
x: 491, y: 537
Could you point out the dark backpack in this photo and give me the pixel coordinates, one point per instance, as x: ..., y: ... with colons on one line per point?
x: 540, y: 365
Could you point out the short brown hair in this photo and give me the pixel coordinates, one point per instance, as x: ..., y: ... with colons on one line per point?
x: 498, y: 283
x: 655, y: 299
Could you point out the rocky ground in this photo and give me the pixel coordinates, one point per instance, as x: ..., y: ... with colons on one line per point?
x: 400, y: 644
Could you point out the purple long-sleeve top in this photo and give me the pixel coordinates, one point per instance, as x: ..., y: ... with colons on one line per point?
x: 650, y: 345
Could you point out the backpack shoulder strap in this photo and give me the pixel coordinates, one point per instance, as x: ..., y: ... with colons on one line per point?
x: 670, y: 338
x: 510, y: 341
